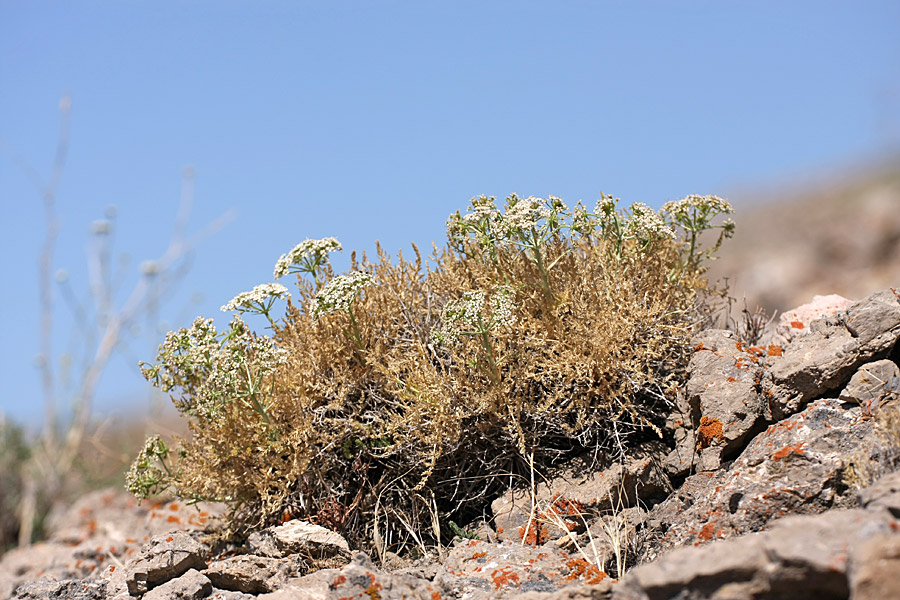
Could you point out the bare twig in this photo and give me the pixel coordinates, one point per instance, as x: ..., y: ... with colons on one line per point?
x: 55, y: 457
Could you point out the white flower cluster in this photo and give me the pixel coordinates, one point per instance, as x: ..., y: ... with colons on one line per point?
x: 646, y: 224
x: 482, y: 218
x: 257, y: 298
x: 308, y: 255
x: 466, y: 316
x: 605, y: 206
x: 144, y: 478
x: 581, y: 220
x: 237, y: 368
x: 525, y: 214
x: 502, y: 307
x: 209, y: 372
x: 340, y: 292
x: 681, y: 209
x: 185, y: 353
x: 481, y: 207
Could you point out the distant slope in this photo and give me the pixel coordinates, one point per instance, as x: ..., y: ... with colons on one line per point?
x: 841, y: 238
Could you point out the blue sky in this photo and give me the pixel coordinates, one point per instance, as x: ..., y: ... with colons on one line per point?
x: 375, y: 120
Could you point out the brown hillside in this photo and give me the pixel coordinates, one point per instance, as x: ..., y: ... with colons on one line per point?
x: 836, y: 237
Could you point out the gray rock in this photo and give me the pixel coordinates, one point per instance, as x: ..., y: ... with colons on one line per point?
x: 476, y: 569
x: 811, y: 366
x: 875, y: 385
x: 794, y: 466
x: 164, y: 558
x: 229, y: 595
x: 601, y: 591
x: 71, y: 589
x: 115, y: 515
x: 883, y: 494
x: 875, y: 322
x: 722, y: 405
x: 360, y: 579
x: 193, y: 585
x: 874, y: 568
x: 253, y: 574
x: 315, y: 586
x: 54, y: 562
x: 834, y: 348
x: 299, y: 537
x: 800, y: 557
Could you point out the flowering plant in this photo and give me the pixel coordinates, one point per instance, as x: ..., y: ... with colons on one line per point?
x: 309, y: 256
x: 471, y: 315
x: 212, y: 369
x: 694, y: 214
x: 338, y: 295
x: 259, y: 300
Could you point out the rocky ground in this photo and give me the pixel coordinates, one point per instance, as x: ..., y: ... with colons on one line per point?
x: 784, y: 483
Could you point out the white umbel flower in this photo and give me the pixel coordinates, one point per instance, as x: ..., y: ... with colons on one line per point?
x: 525, y: 214
x: 340, y: 292
x: 467, y: 316
x: 681, y: 209
x: 646, y: 224
x: 306, y: 256
x: 259, y: 297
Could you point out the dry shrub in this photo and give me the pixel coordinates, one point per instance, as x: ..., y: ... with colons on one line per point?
x: 409, y: 394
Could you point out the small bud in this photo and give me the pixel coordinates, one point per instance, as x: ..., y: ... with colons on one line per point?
x: 101, y: 227
x: 150, y: 268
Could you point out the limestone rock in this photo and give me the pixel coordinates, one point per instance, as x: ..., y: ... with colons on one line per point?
x: 299, y: 537
x: 476, y: 569
x: 193, y: 585
x: 164, y: 558
x: 70, y: 589
x: 794, y: 466
x: 253, y: 574
x: 874, y: 568
x: 799, y: 557
x: 875, y: 385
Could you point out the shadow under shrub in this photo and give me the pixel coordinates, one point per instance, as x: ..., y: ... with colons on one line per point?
x: 404, y: 395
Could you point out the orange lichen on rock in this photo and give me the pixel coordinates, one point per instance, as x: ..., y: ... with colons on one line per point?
x: 710, y: 431
x: 504, y: 577
x: 775, y: 350
x: 797, y: 325
x: 582, y: 569
x: 534, y: 533
x: 708, y: 532
x: 788, y: 450
x: 565, y: 506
